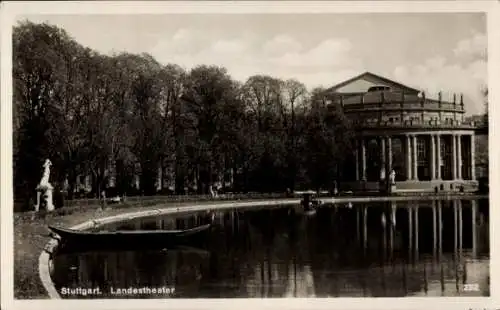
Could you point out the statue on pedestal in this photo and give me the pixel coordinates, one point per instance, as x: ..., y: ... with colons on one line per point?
x: 392, y: 177
x: 45, y: 188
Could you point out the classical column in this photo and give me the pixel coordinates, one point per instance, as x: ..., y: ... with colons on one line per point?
x: 389, y: 154
x: 438, y: 144
x: 459, y: 156
x: 382, y: 151
x: 363, y: 159
x: 472, y: 157
x: 454, y: 156
x: 433, y: 157
x: 356, y: 156
x: 408, y: 158
x: 415, y: 158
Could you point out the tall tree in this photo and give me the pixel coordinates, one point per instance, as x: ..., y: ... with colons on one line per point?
x: 264, y: 97
x: 44, y: 77
x: 173, y: 79
x: 295, y: 94
x: 146, y: 123
x: 328, y: 143
x: 210, y: 93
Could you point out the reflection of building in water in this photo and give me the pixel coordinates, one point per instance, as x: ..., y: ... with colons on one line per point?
x: 273, y: 259
x: 458, y: 276
x: 425, y: 277
x: 300, y: 282
x: 436, y: 226
x: 264, y: 280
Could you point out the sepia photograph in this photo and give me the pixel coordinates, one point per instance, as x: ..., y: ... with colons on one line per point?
x: 158, y: 155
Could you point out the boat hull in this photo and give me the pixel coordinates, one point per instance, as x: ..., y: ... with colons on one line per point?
x: 150, y: 239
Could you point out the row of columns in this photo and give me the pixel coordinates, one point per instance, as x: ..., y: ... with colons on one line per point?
x: 412, y: 156
x: 456, y: 156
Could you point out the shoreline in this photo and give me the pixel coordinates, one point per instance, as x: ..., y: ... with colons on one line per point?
x: 31, y: 233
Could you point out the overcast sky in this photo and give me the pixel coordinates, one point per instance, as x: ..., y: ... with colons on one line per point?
x: 429, y: 51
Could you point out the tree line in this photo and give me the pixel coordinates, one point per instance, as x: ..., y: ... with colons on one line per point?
x: 85, y: 110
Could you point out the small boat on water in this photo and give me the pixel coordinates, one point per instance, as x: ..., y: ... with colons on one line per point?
x: 128, y: 238
x: 309, y: 203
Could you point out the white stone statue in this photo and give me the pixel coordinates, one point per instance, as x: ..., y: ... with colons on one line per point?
x: 46, y: 172
x: 392, y: 177
x: 45, y: 188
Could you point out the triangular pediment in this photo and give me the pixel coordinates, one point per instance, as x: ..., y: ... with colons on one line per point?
x: 363, y: 82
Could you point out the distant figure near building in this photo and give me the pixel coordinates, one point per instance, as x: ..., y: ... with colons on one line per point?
x: 426, y: 142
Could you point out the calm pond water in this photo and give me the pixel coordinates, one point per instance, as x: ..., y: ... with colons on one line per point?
x: 273, y: 252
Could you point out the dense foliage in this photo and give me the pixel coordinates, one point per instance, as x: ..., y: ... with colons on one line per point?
x: 84, y: 111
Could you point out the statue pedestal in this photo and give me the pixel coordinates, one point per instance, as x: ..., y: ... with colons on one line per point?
x: 44, y: 191
x: 392, y: 188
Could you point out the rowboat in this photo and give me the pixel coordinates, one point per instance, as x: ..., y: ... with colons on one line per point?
x: 127, y: 238
x: 309, y: 203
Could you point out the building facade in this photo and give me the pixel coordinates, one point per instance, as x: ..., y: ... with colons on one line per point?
x: 425, y: 141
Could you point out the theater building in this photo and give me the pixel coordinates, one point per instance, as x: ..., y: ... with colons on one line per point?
x: 425, y: 141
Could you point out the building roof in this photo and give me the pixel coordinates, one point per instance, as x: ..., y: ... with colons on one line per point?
x: 373, y: 79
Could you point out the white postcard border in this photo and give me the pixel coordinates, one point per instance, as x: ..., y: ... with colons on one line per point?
x: 9, y: 10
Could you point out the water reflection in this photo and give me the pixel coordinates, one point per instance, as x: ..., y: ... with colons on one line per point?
x: 431, y: 248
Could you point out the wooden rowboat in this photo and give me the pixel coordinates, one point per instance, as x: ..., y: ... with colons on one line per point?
x: 309, y: 203
x: 128, y: 238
